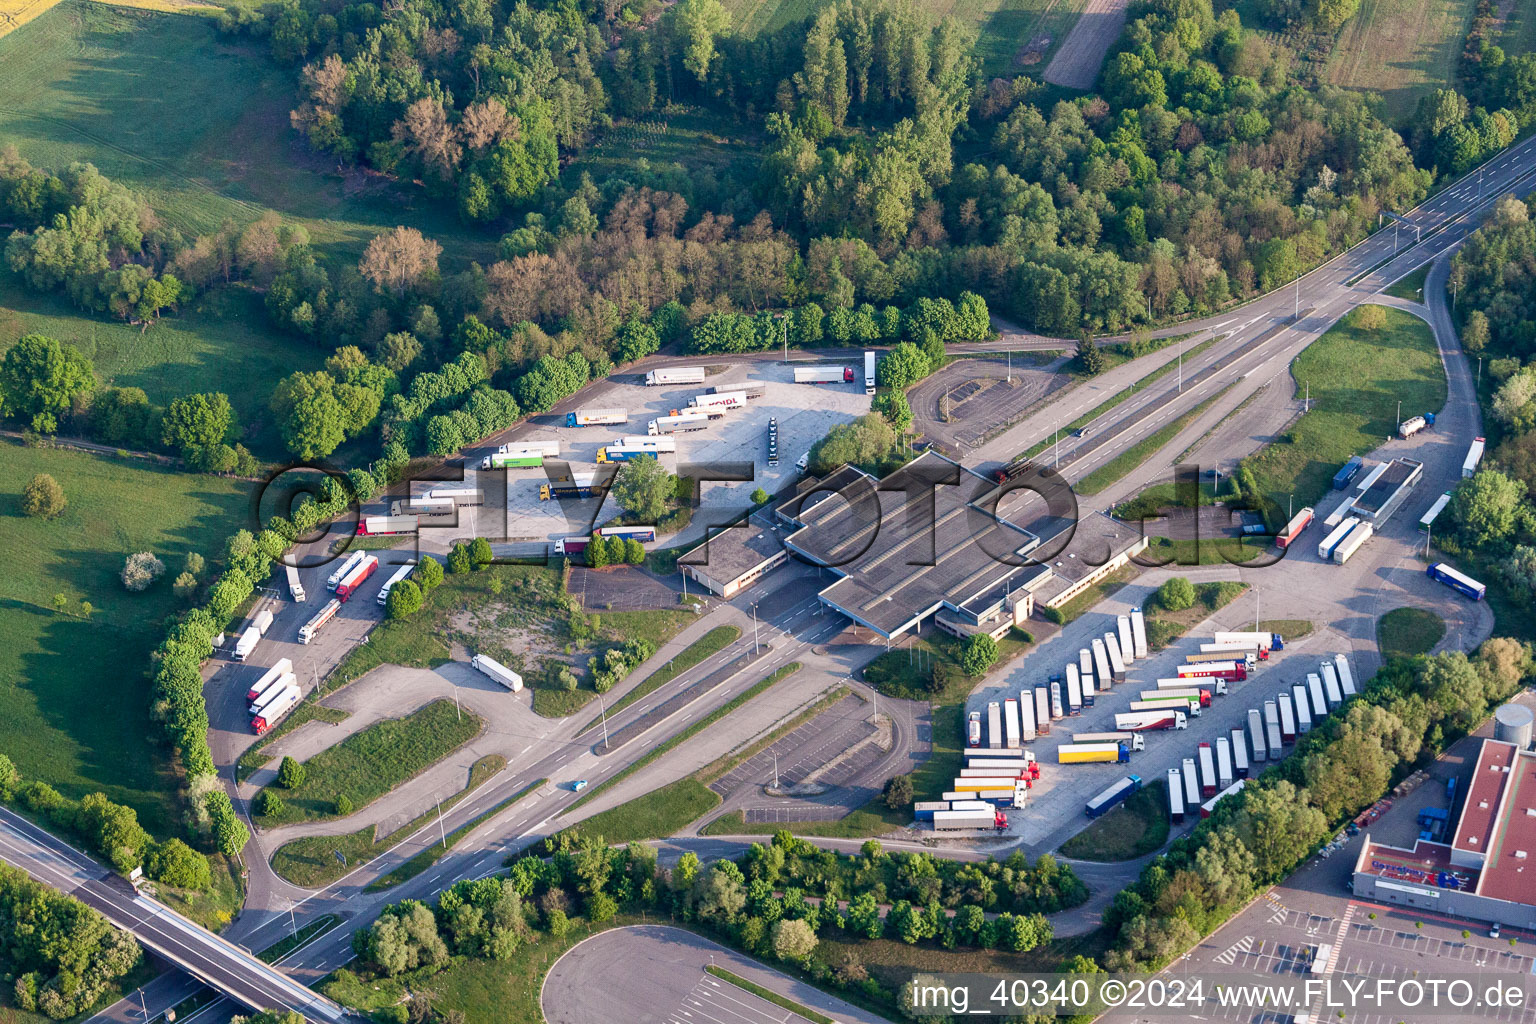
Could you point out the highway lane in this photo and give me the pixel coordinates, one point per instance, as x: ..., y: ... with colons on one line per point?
x: 161, y: 931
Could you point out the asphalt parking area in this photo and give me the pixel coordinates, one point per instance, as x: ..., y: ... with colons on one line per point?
x: 823, y: 739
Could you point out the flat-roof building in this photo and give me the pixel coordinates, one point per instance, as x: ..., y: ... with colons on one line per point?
x: 1486, y: 872
x: 1388, y: 490
x: 732, y: 559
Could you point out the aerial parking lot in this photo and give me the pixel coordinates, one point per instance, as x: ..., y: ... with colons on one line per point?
x: 805, y: 412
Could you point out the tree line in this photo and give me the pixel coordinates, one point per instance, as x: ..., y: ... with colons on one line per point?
x: 775, y: 900
x: 60, y: 955
x: 1410, y: 710
x: 1492, y: 516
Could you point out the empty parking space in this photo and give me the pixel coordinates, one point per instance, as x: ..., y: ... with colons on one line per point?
x: 825, y: 738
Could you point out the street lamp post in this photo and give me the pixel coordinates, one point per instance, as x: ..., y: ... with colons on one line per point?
x: 603, y: 712
x: 754, y: 628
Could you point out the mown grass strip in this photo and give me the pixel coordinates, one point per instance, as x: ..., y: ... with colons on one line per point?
x: 370, y: 763
x: 1142, y: 450
x: 309, y: 711
x: 1120, y: 396
x: 690, y: 732
x: 783, y: 1002
x: 311, y: 861
x: 713, y: 642
x: 316, y: 928
x: 655, y: 815
x: 426, y: 858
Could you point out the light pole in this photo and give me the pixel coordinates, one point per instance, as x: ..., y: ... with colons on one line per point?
x: 1181, y: 366
x: 754, y: 628
x: 1399, y: 414
x: 603, y: 712
x: 441, y: 833
x: 783, y: 319
x: 1296, y: 314
x: 1479, y: 383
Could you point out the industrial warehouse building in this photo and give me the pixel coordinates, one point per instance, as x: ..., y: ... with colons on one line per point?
x: 731, y: 560
x: 1487, y: 872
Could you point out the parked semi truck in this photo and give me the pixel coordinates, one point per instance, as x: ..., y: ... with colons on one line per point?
x: 579, y: 487
x: 624, y: 453
x: 675, y: 375
x: 1194, y: 693
x: 1346, y: 548
x: 1184, y: 704
x: 596, y: 418
x: 1237, y: 652
x: 1134, y: 740
x: 1057, y: 710
x: 1126, y: 638
x: 944, y: 821
x: 1239, y: 753
x: 273, y: 713
x: 497, y: 671
x: 1474, y: 458
x: 1093, y: 753
x: 1026, y: 702
x: 1223, y: 761
x: 1101, y: 664
x: 1113, y: 796
x: 399, y: 574
x: 265, y: 700
x: 1303, y: 705
x: 1331, y: 689
x: 268, y: 679
x: 1139, y: 632
x: 1263, y: 640
x: 1412, y: 425
x: 1231, y: 671
x: 1207, y: 769
x: 1272, y: 730
x: 994, y: 724
x: 1175, y: 796
x: 719, y: 400
x: 1190, y: 776
x: 973, y: 729
x: 1116, y: 660
x: 678, y: 423
x: 1335, y: 537
x: 310, y: 629
x: 354, y: 579
x: 346, y: 567
x: 247, y: 642
x: 1320, y: 697
x: 1209, y: 807
x: 295, y: 585
x: 1011, y: 722
x: 1089, y: 690
x: 387, y: 526
x: 1074, y: 692
x: 1217, y: 686
x: 1256, y: 738
x: 1299, y: 522
x: 869, y: 373
x: 1043, y: 710
x: 823, y: 375
x: 1346, y: 676
x: 1149, y: 721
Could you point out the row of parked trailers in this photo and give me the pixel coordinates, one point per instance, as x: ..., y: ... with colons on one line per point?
x: 1014, y: 721
x: 1219, y: 769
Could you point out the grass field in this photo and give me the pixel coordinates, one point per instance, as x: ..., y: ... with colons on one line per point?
x: 1402, y: 49
x: 1357, y: 377
x: 370, y: 763
x: 74, y: 692
x: 1404, y: 632
x: 196, y: 124
x: 1005, y: 27
x: 216, y: 344
x: 312, y: 862
x: 1520, y: 30
x: 1135, y: 828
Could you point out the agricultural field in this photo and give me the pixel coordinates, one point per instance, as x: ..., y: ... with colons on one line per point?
x: 115, y: 86
x: 74, y: 689
x: 1016, y: 36
x: 1401, y: 49
x: 213, y: 344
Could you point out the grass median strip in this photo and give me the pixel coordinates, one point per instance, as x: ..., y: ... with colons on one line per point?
x: 1144, y: 449
x: 713, y: 642
x: 1119, y: 396
x: 312, y: 861
x: 426, y: 858
x: 316, y: 928
x: 783, y: 1002
x: 693, y: 730
x: 370, y: 763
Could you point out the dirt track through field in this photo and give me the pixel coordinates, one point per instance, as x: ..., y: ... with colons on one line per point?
x: 1076, y: 65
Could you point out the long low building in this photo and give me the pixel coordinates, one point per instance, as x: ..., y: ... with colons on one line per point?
x: 1388, y: 489
x: 1481, y: 873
